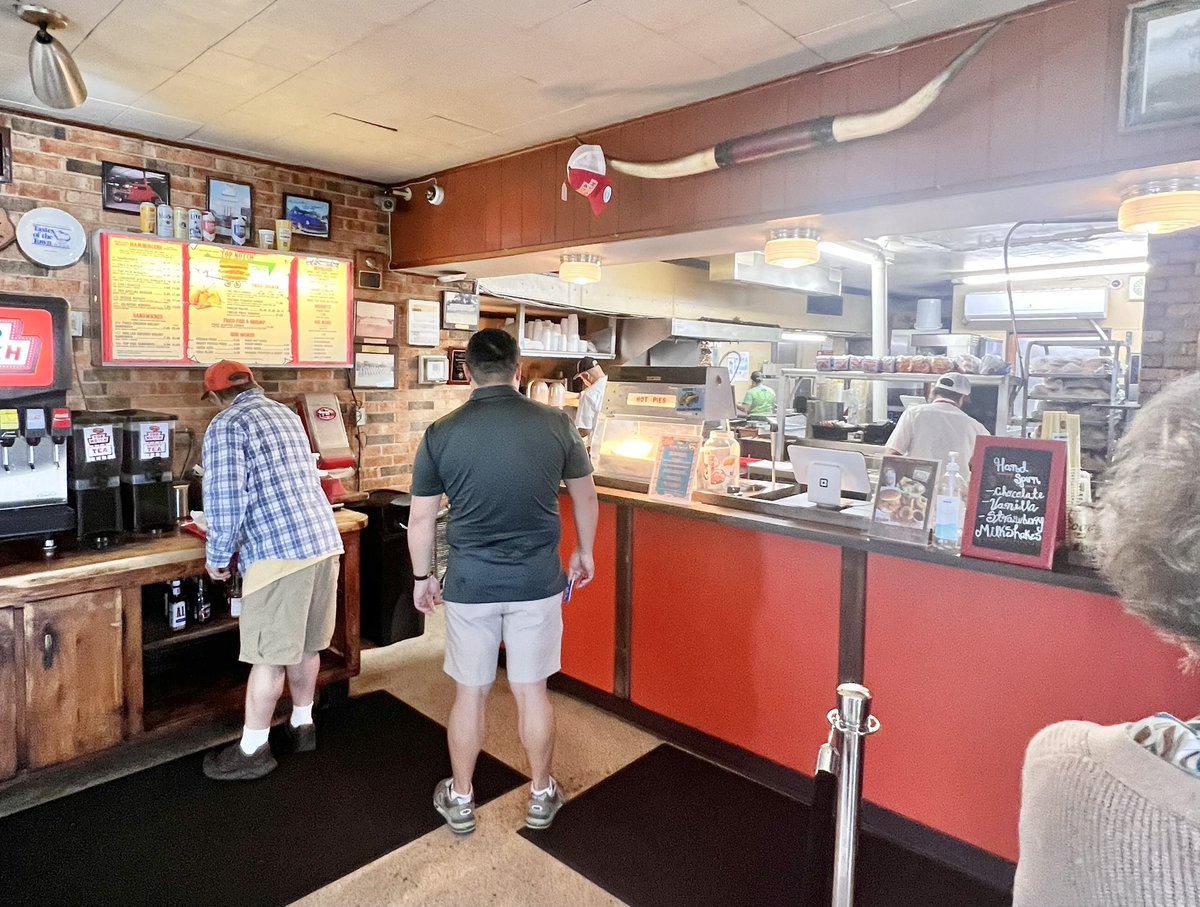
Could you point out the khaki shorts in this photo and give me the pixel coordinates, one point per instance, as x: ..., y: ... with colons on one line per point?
x: 291, y: 616
x: 531, y: 631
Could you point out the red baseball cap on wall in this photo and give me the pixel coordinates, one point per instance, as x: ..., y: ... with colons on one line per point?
x: 226, y: 374
x: 585, y: 174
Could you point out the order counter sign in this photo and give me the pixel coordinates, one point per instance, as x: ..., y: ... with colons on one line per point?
x: 1016, y: 507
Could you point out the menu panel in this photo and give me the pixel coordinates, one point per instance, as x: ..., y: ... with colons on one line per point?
x: 165, y: 302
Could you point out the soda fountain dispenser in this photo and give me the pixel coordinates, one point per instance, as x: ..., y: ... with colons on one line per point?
x: 146, y: 476
x: 95, y: 455
x: 35, y: 375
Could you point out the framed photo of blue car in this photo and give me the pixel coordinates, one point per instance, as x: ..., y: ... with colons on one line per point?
x: 1161, y: 79
x: 308, y: 216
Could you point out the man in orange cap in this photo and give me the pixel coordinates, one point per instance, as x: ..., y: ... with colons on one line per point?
x: 263, y: 501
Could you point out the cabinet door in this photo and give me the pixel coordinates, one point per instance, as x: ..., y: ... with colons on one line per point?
x: 9, y: 694
x: 73, y: 676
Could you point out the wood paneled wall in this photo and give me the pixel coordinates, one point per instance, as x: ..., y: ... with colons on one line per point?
x: 1039, y: 104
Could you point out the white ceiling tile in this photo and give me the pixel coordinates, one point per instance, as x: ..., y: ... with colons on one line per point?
x: 190, y: 97
x: 667, y: 15
x: 129, y: 40
x: 96, y: 112
x: 350, y: 20
x: 858, y: 36
x: 233, y: 128
x: 305, y: 96
x: 287, y: 47
x: 443, y: 129
x: 810, y: 16
x: 942, y: 15
x: 723, y: 36
x: 591, y: 32
x: 156, y: 124
x: 223, y: 69
x: 14, y: 78
x: 117, y: 78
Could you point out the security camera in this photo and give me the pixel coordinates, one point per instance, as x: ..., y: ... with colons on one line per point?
x: 435, y: 194
x: 385, y: 203
x: 1115, y: 283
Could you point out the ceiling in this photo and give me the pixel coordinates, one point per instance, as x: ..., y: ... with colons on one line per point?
x: 394, y: 89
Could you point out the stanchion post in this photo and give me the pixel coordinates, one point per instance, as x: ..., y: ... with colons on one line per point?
x: 853, y: 721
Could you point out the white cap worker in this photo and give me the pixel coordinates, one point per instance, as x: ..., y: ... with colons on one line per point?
x: 930, y: 431
x: 591, y: 398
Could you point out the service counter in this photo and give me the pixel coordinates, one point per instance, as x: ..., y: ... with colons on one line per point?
x: 80, y: 671
x: 741, y: 626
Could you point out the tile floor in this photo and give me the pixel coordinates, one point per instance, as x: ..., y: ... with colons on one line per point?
x: 494, y: 865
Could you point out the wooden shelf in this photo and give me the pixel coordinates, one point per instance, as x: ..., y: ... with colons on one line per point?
x: 159, y: 636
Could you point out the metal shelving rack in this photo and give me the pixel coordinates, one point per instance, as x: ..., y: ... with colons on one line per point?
x: 1117, y: 352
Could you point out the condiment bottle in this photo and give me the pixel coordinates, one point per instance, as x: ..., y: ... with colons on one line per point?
x: 720, y: 460
x: 950, y: 507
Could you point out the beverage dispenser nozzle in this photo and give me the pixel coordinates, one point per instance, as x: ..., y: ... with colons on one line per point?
x: 60, y: 431
x: 35, y: 430
x: 10, y: 426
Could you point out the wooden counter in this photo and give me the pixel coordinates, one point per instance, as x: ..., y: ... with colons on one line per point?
x: 79, y: 672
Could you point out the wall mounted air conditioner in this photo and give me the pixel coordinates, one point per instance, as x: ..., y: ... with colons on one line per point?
x: 1036, y: 305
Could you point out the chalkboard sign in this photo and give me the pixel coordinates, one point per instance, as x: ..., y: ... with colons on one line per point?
x: 1016, y: 503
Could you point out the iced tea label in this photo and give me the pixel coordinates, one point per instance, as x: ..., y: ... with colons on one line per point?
x: 98, y: 444
x: 153, y: 442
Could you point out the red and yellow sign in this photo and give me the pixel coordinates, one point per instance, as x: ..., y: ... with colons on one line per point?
x: 165, y: 302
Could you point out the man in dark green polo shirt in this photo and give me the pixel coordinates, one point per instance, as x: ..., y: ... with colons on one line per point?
x: 500, y: 459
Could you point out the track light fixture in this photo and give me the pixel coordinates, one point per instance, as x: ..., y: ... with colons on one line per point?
x: 435, y: 194
x: 55, y: 77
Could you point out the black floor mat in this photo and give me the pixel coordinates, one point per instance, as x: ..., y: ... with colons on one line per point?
x: 168, y: 835
x: 672, y: 829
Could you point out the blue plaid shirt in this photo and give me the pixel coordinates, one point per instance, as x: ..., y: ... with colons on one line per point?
x: 262, y: 497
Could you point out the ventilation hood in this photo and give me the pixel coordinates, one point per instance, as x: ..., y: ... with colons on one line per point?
x: 751, y: 268
x: 638, y: 335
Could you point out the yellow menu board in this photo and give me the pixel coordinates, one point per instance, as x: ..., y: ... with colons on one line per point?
x: 166, y: 302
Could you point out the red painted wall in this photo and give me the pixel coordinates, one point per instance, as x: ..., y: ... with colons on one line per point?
x: 966, y: 667
x: 1039, y: 104
x: 589, y: 618
x: 736, y: 633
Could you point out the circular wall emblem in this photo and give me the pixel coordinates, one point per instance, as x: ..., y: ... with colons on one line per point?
x: 325, y: 414
x: 51, y: 238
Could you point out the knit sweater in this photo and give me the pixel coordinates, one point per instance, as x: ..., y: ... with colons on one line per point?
x: 1105, y: 823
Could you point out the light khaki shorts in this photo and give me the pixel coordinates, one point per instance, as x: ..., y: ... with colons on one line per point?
x: 531, y: 631
x: 291, y: 616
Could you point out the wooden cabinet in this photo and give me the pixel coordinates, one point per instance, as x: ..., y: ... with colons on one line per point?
x: 10, y: 694
x: 74, y: 691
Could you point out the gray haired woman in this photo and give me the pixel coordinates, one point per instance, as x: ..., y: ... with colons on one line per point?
x: 1111, y: 815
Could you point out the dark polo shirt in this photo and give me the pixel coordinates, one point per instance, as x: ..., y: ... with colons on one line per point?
x: 500, y: 458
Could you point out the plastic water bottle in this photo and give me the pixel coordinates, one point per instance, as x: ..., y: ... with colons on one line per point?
x: 950, y: 507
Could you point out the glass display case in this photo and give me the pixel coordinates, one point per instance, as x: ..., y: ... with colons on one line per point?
x: 642, y: 404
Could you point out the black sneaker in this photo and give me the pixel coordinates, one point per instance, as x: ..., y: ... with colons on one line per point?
x: 231, y: 764
x: 303, y: 738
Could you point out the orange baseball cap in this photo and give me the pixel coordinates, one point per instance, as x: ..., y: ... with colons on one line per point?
x: 226, y: 374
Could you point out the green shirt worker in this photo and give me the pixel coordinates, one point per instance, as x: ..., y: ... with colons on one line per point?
x: 759, y: 399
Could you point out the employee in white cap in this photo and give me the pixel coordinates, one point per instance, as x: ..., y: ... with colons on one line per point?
x: 931, y: 430
x: 591, y: 398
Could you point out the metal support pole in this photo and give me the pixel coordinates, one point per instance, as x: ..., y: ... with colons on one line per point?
x: 879, y: 333
x: 854, y: 721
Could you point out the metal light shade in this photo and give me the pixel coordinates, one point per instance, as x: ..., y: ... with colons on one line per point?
x: 792, y: 247
x: 577, y: 268
x: 1162, y: 206
x: 56, y: 79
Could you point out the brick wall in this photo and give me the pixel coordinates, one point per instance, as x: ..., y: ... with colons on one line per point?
x: 1172, y: 321
x: 60, y: 165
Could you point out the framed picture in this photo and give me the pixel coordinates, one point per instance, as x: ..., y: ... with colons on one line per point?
x: 460, y: 311
x: 374, y: 321
x: 124, y: 188
x: 903, y: 507
x: 424, y: 324
x: 375, y: 367
x: 458, y: 365
x: 227, y: 200
x: 5, y: 155
x: 308, y: 216
x: 1160, y: 83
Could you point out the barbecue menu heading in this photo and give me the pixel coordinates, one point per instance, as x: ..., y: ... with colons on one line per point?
x: 172, y: 303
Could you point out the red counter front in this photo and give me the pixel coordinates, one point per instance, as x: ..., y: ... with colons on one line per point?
x: 589, y: 619
x: 735, y: 632
x: 966, y: 667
